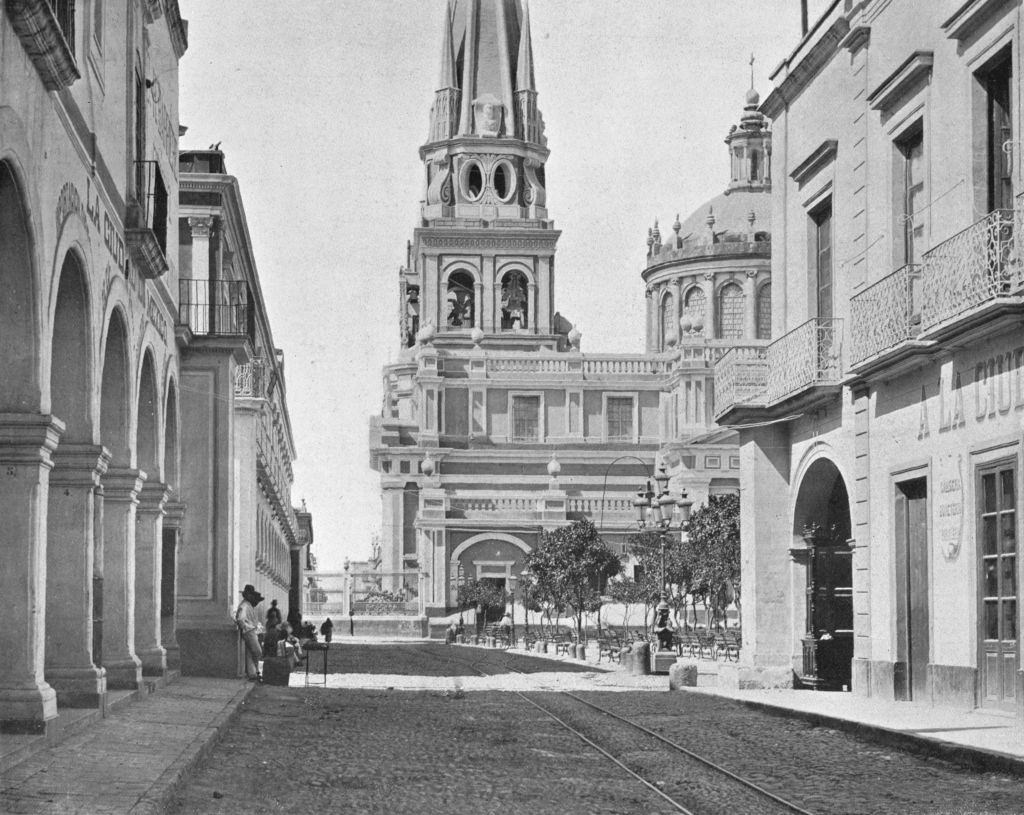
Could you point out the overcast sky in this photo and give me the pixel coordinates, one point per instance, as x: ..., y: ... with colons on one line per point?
x: 320, y: 107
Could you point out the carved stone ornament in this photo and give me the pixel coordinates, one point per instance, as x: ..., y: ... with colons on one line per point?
x: 439, y: 190
x: 489, y: 114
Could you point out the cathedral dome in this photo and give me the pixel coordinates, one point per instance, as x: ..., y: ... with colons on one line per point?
x: 731, y: 213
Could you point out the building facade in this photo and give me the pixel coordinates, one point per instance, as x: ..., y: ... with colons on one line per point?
x: 89, y: 403
x: 494, y: 425
x: 882, y: 453
x: 236, y: 436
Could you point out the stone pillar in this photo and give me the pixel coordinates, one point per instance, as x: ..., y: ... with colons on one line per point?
x: 27, y: 702
x: 532, y: 326
x: 201, y: 228
x: 750, y: 307
x: 677, y: 292
x: 174, y: 516
x: 710, y: 308
x: 121, y: 487
x: 491, y: 313
x: 148, y: 568
x: 478, y: 306
x: 652, y: 344
x: 71, y: 562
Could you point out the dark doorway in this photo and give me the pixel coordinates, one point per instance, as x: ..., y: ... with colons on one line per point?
x: 913, y: 643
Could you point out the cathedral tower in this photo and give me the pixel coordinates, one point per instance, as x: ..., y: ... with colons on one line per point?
x: 481, y: 264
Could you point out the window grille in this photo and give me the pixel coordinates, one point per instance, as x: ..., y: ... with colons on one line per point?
x: 730, y: 312
x: 526, y: 418
x: 764, y: 312
x: 619, y: 412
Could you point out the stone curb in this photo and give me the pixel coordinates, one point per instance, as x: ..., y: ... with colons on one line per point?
x: 158, y: 796
x: 975, y: 758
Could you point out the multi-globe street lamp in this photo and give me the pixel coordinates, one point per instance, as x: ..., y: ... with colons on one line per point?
x: 658, y: 512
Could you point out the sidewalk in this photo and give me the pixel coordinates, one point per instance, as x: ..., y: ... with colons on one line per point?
x: 982, y: 739
x: 126, y: 763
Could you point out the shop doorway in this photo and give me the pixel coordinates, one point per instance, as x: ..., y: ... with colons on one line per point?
x: 823, y: 521
x: 912, y: 629
x: 997, y: 553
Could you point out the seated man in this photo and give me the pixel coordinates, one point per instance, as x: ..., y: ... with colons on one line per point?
x: 663, y: 626
x: 271, y: 639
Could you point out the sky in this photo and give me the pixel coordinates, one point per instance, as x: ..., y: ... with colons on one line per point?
x: 320, y: 107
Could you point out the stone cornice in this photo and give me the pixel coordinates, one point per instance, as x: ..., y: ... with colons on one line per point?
x: 711, y: 251
x: 969, y: 17
x: 803, y: 72
x: 460, y: 240
x: 819, y: 157
x: 914, y: 69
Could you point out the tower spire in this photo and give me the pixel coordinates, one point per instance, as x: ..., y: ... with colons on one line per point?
x: 444, y: 116
x: 448, y: 79
x: 524, y: 73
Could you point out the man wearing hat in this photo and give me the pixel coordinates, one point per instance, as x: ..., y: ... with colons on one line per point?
x: 248, y: 625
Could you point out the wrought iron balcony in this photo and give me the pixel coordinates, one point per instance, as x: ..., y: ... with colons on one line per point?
x: 46, y: 29
x: 741, y: 377
x: 974, y: 268
x: 808, y: 357
x: 147, y: 220
x: 886, y: 314
x: 216, y: 308
x: 252, y: 379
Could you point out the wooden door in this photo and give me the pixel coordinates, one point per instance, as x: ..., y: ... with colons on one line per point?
x: 912, y: 614
x: 997, y: 554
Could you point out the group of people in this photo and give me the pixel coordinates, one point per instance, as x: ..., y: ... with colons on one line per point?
x: 274, y: 636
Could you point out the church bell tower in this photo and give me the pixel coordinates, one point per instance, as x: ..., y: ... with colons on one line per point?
x: 480, y: 270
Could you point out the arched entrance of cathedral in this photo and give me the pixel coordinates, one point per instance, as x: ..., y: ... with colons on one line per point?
x: 825, y: 554
x: 498, y: 559
x: 72, y: 650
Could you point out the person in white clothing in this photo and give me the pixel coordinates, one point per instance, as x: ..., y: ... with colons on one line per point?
x: 248, y: 626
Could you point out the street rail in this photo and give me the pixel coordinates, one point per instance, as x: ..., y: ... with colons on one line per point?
x: 654, y: 786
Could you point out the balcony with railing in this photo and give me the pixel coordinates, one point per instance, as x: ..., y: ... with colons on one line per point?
x: 147, y: 220
x: 973, y: 277
x: 46, y: 29
x: 795, y: 372
x: 216, y: 308
x: 886, y: 320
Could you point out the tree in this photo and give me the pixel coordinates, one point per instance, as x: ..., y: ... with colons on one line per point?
x: 628, y: 592
x: 571, y: 567
x: 679, y: 568
x: 482, y: 594
x: 714, y: 544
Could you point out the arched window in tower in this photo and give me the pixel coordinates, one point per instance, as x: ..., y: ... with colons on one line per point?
x: 693, y: 311
x: 730, y: 312
x: 755, y: 165
x: 764, y: 312
x: 515, y: 301
x: 460, y: 300
x: 666, y: 320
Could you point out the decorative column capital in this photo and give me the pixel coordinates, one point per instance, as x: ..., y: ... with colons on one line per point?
x: 28, y: 438
x: 79, y: 465
x: 123, y: 484
x: 153, y: 496
x: 174, y: 514
x: 751, y: 274
x: 201, y: 226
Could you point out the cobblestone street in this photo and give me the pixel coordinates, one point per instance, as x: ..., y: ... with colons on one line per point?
x: 448, y: 750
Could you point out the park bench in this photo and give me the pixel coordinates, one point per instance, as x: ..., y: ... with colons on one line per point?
x: 608, y: 646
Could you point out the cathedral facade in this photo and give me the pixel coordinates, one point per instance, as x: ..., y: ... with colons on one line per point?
x: 494, y: 425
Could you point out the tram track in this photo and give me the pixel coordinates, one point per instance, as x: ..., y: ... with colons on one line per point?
x: 682, y: 778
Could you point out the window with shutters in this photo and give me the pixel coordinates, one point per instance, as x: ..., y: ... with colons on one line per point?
x: 619, y: 424
x: 526, y: 418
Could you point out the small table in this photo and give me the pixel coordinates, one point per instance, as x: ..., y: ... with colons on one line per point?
x: 322, y: 648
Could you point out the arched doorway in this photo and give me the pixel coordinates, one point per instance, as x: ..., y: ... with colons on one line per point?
x: 495, y: 559
x: 822, y: 525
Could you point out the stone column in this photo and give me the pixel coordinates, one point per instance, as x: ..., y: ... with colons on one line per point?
x: 27, y: 702
x: 491, y: 313
x: 172, y: 523
x: 478, y: 306
x: 121, y: 487
x: 148, y: 568
x: 533, y: 309
x: 677, y: 293
x: 750, y: 307
x: 709, y: 306
x: 652, y: 345
x: 71, y: 561
x: 201, y: 228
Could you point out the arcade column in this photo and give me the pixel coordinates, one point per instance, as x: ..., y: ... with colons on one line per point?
x: 121, y: 488
x: 27, y: 702
x: 148, y: 567
x: 72, y: 554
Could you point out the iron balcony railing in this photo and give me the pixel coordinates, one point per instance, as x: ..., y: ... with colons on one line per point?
x: 64, y: 13
x: 741, y: 376
x: 216, y: 308
x: 150, y: 205
x: 886, y: 313
x: 252, y: 379
x: 806, y: 356
x: 809, y: 355
x: 974, y: 267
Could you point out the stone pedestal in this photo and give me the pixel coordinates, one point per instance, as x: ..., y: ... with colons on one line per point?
x: 71, y: 562
x: 148, y: 568
x: 27, y: 702
x: 121, y: 487
x: 682, y: 675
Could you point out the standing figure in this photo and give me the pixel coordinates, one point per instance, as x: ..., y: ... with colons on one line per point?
x: 248, y: 626
x: 273, y: 615
x: 327, y: 629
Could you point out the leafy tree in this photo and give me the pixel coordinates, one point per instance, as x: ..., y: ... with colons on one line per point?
x: 628, y: 592
x: 481, y: 594
x: 714, y: 547
x: 571, y: 567
x: 679, y: 569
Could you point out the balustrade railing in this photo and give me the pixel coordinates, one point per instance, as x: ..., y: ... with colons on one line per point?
x: 741, y: 376
x: 219, y: 308
x: 637, y: 365
x: 494, y: 504
x: 587, y: 365
x: 975, y: 266
x: 808, y: 355
x: 886, y: 313
x: 527, y: 365
x: 592, y: 506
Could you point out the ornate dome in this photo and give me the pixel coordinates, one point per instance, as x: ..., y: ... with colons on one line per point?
x: 732, y: 217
